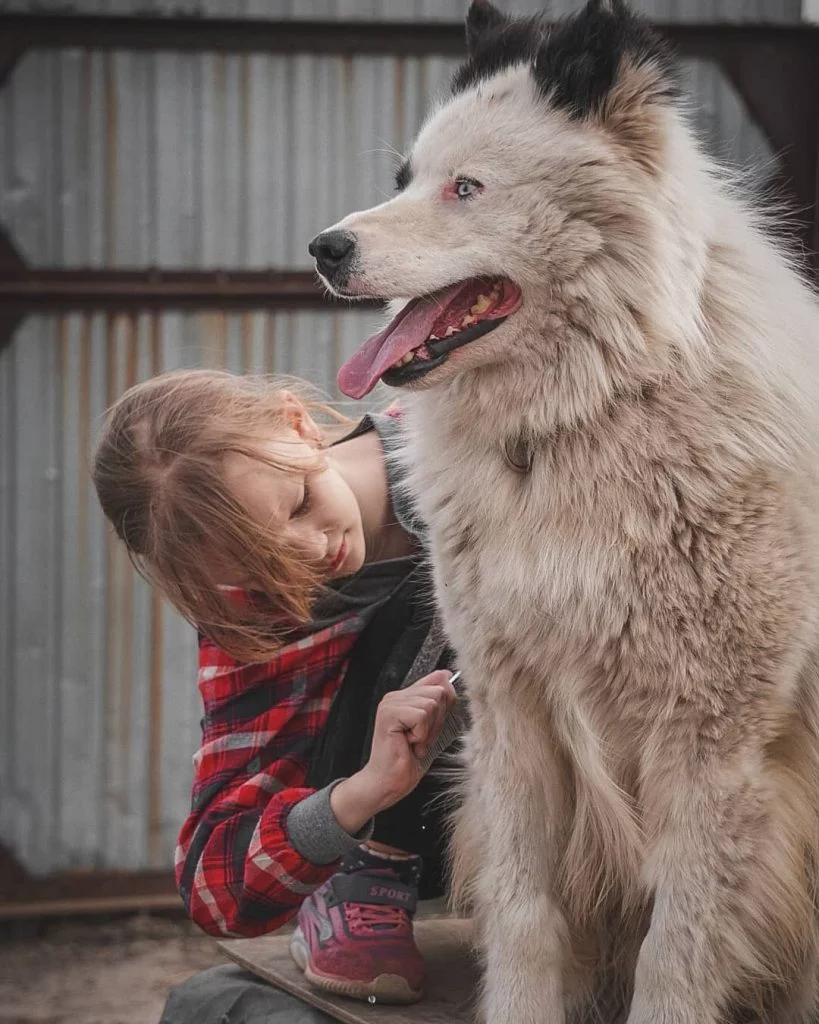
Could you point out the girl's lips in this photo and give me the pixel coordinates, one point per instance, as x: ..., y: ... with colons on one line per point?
x: 341, y: 554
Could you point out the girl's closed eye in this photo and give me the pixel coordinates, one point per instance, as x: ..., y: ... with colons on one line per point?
x: 304, y: 505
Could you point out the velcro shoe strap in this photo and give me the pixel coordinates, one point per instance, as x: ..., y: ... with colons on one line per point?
x: 360, y: 887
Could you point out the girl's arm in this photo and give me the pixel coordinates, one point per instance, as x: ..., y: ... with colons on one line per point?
x: 257, y: 840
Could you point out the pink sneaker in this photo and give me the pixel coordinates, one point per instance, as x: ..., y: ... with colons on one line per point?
x: 354, y: 936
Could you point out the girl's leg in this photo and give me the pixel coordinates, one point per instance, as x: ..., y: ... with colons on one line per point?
x: 229, y: 993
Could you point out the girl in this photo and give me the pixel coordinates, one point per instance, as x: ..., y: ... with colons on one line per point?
x: 287, y: 540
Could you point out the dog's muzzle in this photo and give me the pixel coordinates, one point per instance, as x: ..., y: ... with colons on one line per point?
x: 334, y: 253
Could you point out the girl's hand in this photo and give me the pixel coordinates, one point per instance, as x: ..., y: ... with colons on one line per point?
x: 407, y: 723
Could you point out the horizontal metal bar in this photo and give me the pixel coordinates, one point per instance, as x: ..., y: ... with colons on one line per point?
x: 90, y: 905
x: 228, y: 35
x: 24, y: 895
x: 43, y: 290
x: 87, y: 32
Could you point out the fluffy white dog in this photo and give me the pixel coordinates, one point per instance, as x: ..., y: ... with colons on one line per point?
x: 612, y: 435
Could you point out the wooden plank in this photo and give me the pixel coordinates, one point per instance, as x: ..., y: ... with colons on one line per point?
x: 452, y: 976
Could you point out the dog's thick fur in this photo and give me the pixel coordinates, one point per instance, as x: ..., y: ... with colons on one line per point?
x: 637, y: 617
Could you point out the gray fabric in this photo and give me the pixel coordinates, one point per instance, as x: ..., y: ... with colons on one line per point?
x: 362, y: 593
x: 229, y: 995
x: 314, y: 832
x: 429, y: 655
x: 391, y: 434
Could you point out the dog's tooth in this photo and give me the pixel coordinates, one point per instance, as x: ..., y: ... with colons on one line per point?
x: 483, y: 303
x: 468, y: 321
x: 449, y: 332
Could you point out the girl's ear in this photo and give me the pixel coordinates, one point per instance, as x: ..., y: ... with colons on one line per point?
x: 300, y: 419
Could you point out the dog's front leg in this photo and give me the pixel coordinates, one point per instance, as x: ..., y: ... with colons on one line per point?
x: 522, y: 930
x: 733, y: 907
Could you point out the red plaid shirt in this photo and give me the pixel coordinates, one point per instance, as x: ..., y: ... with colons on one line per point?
x: 236, y: 869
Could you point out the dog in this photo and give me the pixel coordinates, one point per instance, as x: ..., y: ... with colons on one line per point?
x: 612, y: 384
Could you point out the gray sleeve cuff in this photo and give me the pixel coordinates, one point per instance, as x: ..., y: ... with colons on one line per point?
x: 314, y: 832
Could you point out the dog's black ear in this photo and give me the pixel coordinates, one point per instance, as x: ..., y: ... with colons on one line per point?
x: 482, y: 17
x: 578, y: 64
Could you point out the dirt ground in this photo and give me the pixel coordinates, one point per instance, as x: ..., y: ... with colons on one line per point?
x: 97, y: 972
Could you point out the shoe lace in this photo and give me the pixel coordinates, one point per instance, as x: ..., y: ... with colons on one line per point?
x: 372, y: 916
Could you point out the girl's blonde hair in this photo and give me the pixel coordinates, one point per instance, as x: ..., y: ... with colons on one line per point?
x: 158, y: 469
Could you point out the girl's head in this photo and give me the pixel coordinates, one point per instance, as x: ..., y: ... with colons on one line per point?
x: 215, y: 481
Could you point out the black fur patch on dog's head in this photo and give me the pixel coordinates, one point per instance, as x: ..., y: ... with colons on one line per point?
x: 574, y: 61
x: 495, y: 42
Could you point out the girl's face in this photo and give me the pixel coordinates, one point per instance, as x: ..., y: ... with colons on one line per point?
x: 315, y: 509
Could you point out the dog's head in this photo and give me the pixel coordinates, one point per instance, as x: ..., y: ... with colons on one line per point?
x: 531, y: 175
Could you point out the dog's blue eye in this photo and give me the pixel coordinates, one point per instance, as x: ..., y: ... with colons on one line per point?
x: 465, y: 188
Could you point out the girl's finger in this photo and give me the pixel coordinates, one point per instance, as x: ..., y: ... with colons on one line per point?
x: 438, y: 692
x: 410, y: 720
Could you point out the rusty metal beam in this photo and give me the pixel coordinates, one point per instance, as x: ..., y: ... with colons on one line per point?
x: 229, y: 35
x: 81, y: 892
x: 89, y: 905
x: 33, y: 290
x: 245, y: 35
x: 69, y: 892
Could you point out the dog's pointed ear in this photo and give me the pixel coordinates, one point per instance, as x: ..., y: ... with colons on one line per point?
x: 482, y: 17
x: 579, y: 63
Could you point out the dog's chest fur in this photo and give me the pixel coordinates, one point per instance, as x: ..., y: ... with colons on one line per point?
x: 605, y: 581
x: 524, y: 575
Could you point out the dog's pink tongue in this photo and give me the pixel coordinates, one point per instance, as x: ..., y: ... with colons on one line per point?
x: 411, y: 328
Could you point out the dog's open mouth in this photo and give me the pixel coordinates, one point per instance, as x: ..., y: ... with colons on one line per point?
x: 426, y: 330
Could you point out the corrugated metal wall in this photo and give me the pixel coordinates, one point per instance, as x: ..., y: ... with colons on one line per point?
x: 129, y: 160
x: 133, y: 159
x: 204, y: 160
x: 98, y: 705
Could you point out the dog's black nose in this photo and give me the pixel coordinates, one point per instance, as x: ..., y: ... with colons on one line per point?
x: 332, y: 250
